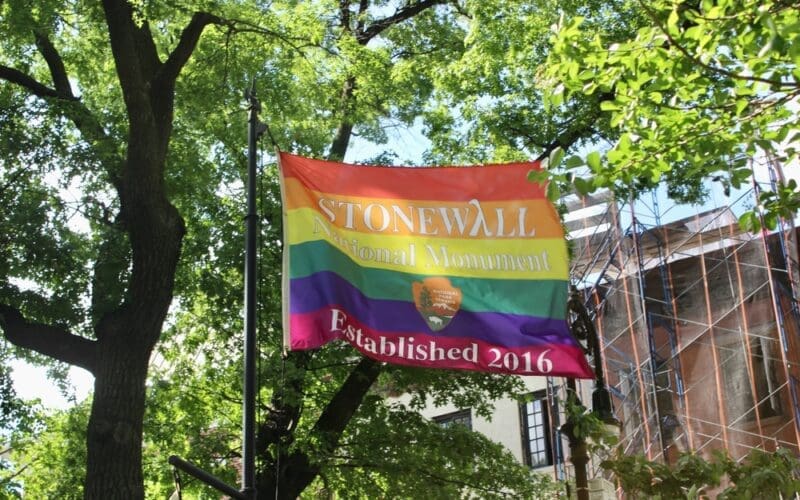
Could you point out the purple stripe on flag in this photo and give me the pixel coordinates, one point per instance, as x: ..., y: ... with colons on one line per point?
x: 326, y: 290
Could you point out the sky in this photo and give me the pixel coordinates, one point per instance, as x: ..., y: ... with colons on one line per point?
x: 31, y: 382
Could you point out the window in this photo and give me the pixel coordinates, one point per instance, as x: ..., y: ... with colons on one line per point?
x: 739, y: 398
x: 462, y: 417
x: 537, y: 447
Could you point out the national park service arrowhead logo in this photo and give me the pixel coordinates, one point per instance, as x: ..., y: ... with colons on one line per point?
x: 437, y: 301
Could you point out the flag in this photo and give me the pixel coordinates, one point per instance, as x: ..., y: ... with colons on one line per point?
x: 442, y: 267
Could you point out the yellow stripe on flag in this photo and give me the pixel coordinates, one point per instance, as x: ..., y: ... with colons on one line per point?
x: 541, y: 258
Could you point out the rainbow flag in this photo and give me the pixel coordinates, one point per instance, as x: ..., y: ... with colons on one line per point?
x: 443, y: 267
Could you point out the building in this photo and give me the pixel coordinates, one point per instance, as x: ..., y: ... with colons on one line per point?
x: 699, y: 324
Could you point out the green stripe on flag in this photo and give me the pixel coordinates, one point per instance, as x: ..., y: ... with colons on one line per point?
x: 543, y: 298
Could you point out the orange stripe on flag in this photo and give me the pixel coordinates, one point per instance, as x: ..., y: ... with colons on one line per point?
x: 509, y: 219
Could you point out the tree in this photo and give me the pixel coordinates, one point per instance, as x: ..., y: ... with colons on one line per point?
x: 18, y: 420
x: 113, y: 111
x: 126, y: 319
x: 698, y: 90
x: 490, y: 104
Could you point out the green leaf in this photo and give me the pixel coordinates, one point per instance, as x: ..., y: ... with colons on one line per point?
x: 557, y: 95
x: 741, y: 104
x: 555, y: 157
x: 553, y: 192
x: 583, y: 186
x: 593, y: 160
x: 538, y: 176
x: 750, y: 222
x: 672, y: 20
x: 771, y: 220
x: 574, y: 161
x: 609, y: 106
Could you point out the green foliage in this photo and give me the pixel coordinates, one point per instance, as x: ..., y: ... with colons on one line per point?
x: 50, y: 455
x: 489, y: 104
x: 691, y: 94
x: 189, y: 414
x: 197, y: 393
x: 463, y: 389
x: 783, y: 202
x: 760, y: 475
x: 10, y: 404
x: 19, y: 421
x: 36, y: 243
x: 395, y: 453
x: 601, y: 441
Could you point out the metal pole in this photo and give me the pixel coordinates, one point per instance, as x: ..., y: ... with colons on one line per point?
x: 206, y: 477
x: 248, y: 492
x: 250, y: 255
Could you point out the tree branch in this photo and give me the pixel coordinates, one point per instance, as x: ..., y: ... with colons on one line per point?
x: 285, y: 408
x: 407, y: 12
x: 344, y: 15
x: 186, y: 45
x: 696, y: 60
x: 7, y: 480
x: 125, y: 47
x: 80, y: 115
x: 363, y: 5
x: 328, y: 429
x: 363, y: 36
x: 572, y: 132
x: 341, y: 408
x: 70, y: 105
x: 34, y: 86
x: 565, y: 141
x: 57, y: 70
x: 342, y: 138
x: 51, y: 341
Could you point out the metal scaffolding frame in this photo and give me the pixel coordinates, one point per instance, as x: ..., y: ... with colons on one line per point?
x: 698, y: 321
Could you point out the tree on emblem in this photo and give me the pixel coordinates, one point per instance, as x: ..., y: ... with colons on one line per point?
x: 425, y: 300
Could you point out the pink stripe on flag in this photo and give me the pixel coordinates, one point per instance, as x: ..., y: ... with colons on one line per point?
x: 312, y: 330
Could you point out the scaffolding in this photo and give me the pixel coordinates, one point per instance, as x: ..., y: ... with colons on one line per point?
x: 699, y: 321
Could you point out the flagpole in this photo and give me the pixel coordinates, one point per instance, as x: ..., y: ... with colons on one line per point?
x: 248, y: 492
x: 254, y: 129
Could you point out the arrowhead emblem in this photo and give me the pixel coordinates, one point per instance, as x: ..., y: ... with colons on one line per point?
x: 437, y: 300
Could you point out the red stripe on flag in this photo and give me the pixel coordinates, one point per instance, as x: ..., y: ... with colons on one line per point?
x: 493, y: 182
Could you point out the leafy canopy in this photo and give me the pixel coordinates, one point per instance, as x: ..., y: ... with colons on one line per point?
x: 692, y: 95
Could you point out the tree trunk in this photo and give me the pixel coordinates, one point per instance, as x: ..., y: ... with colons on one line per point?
x: 114, y: 440
x: 127, y: 337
